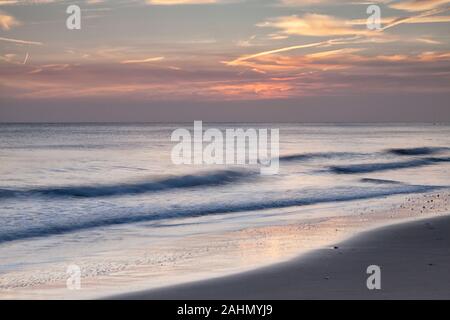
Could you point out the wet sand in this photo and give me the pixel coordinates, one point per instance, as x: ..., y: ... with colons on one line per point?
x: 414, y: 258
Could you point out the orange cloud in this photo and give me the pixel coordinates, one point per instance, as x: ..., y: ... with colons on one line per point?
x: 418, y: 5
x: 273, y: 62
x: 178, y: 2
x: 312, y: 24
x: 267, y: 90
x: 425, y: 17
x: 305, y: 3
x: 434, y: 56
x: 320, y: 25
x: 406, y: 20
x: 7, y: 21
x: 241, y: 60
x: 321, y: 61
x: 143, y: 60
x: 281, y: 76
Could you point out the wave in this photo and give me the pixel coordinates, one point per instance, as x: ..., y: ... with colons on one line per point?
x: 345, y: 155
x: 219, y: 177
x: 384, y: 166
x: 336, y: 195
x: 379, y: 181
x: 420, y: 151
x: 319, y: 155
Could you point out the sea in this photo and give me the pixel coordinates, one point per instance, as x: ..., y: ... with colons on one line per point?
x: 108, y: 197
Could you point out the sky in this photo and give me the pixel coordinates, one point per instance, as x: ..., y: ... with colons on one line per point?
x: 225, y: 60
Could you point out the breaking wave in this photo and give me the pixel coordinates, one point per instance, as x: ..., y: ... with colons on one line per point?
x: 420, y: 151
x: 319, y: 155
x: 322, y: 196
x: 177, y: 182
x: 384, y: 166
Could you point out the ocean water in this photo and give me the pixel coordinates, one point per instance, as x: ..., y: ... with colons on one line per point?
x: 71, y: 192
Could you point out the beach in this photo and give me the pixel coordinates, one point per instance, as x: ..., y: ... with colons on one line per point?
x: 119, y: 213
x: 224, y: 149
x: 414, y: 258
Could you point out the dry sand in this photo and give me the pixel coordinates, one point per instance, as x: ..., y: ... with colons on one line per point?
x: 414, y: 258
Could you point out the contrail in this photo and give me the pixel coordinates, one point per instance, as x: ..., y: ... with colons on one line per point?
x: 21, y: 41
x: 26, y: 59
x: 302, y: 46
x: 406, y: 19
x: 143, y: 60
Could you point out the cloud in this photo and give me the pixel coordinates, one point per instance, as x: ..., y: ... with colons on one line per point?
x: 313, y: 24
x: 153, y: 59
x: 8, y: 2
x: 51, y: 67
x: 418, y: 5
x: 13, y: 58
x: 242, y: 59
x: 422, y: 17
x: 320, y: 25
x: 265, y: 90
x: 316, y: 3
x: 9, y: 57
x: 325, y: 72
x: 434, y: 56
x: 179, y: 2
x: 7, y: 21
x: 18, y: 41
x: 26, y: 2
x: 321, y: 60
x: 409, y: 20
x: 109, y: 80
x: 303, y: 2
x: 406, y: 5
x: 345, y: 56
x: 428, y: 41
